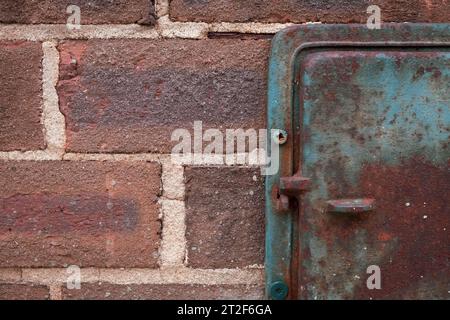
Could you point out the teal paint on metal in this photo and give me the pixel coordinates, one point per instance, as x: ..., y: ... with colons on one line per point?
x: 279, y: 290
x: 278, y: 227
x: 353, y: 71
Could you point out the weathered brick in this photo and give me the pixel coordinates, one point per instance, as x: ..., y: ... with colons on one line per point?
x: 300, y: 11
x: 225, y: 217
x: 108, y: 291
x: 20, y: 96
x: 23, y: 291
x: 88, y: 213
x: 129, y: 95
x: 92, y: 11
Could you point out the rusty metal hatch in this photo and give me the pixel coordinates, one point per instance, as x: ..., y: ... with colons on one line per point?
x: 364, y: 174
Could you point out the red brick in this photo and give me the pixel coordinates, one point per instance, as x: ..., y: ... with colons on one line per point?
x: 108, y: 291
x: 225, y: 217
x: 326, y: 11
x: 20, y: 96
x: 128, y: 95
x: 92, y: 11
x: 101, y: 214
x: 23, y: 292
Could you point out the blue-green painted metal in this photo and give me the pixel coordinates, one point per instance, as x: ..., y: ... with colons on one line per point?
x: 279, y: 290
x: 290, y: 110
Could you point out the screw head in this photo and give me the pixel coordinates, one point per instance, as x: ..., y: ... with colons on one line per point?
x: 279, y: 290
x: 279, y: 136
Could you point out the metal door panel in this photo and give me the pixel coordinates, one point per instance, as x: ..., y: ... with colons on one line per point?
x: 367, y: 116
x: 375, y: 124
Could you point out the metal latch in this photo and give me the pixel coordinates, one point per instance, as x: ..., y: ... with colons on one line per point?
x: 291, y: 187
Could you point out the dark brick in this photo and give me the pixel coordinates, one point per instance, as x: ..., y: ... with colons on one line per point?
x: 300, y: 11
x: 101, y: 214
x: 108, y: 291
x: 20, y: 96
x: 92, y: 11
x: 128, y: 95
x: 23, y: 292
x: 225, y: 217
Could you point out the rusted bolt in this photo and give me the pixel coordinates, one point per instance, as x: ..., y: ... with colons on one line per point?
x: 280, y: 136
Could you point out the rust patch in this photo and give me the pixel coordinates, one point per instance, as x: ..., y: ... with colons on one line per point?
x: 412, y: 220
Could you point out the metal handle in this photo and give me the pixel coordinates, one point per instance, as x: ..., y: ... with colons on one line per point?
x: 351, y: 205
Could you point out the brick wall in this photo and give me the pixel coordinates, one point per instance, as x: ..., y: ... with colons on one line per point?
x: 85, y: 123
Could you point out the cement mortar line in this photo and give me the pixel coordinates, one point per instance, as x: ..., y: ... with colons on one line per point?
x: 173, y: 239
x: 49, y: 32
x: 38, y: 155
x: 45, y: 155
x: 164, y: 29
x: 172, y: 180
x: 52, y: 119
x: 162, y: 8
x: 170, y: 275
